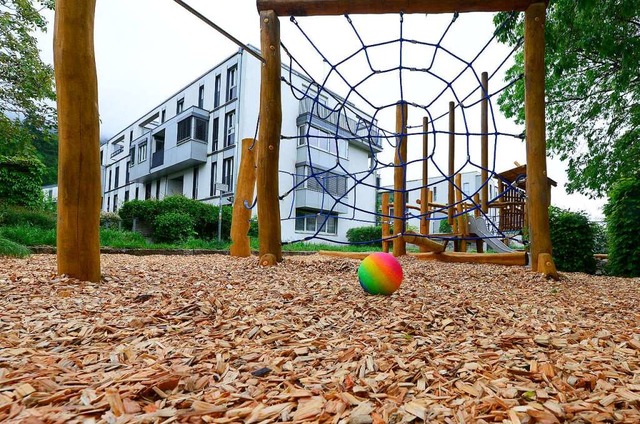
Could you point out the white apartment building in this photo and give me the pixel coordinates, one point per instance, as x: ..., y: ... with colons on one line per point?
x: 191, y: 142
x: 471, y: 184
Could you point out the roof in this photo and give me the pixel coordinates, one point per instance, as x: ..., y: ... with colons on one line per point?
x: 513, y: 174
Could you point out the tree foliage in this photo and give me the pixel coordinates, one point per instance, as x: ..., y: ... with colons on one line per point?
x: 21, y: 182
x: 573, y: 240
x: 593, y: 88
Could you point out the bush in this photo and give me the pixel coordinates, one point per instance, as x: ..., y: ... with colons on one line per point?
x: 600, y: 238
x: 368, y: 235
x: 18, y: 216
x: 21, y: 181
x: 623, y: 216
x: 110, y: 220
x: 173, y: 227
x: 10, y: 248
x: 444, y: 227
x: 572, y: 238
x: 253, y: 227
x: 141, y: 209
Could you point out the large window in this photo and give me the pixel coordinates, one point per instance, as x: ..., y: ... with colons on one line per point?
x: 232, y: 83
x: 310, y: 222
x: 334, y: 184
x: 218, y: 87
x: 116, y: 180
x: 214, y: 178
x: 201, y: 97
x: 323, y: 141
x: 230, y: 129
x: 199, y: 130
x: 200, y: 126
x: 184, y: 129
x: 142, y: 152
x: 227, y: 173
x: 216, y: 130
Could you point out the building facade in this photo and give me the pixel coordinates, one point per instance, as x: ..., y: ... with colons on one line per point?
x: 190, y: 145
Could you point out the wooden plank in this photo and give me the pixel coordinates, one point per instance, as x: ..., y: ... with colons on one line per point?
x: 341, y: 7
x: 240, y: 221
x: 424, y: 242
x: 269, y: 136
x: 537, y: 183
x: 400, y: 180
x: 78, y: 228
x: 517, y: 258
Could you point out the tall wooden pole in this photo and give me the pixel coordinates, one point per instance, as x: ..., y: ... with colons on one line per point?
x: 241, y: 219
x: 78, y: 234
x: 452, y: 159
x: 269, y: 139
x: 385, y: 221
x: 537, y: 183
x: 424, y: 191
x: 400, y: 180
x: 484, y: 142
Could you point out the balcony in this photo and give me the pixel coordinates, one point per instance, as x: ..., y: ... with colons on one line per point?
x: 118, y: 149
x: 317, y: 200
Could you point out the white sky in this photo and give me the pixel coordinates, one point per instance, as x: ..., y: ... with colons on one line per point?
x: 148, y: 49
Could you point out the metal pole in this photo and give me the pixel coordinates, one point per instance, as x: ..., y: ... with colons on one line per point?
x: 220, y: 218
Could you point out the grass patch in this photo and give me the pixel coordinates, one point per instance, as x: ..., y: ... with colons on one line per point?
x: 10, y: 248
x: 28, y: 235
x: 120, y: 239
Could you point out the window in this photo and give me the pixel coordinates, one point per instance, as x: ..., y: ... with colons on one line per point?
x: 115, y: 203
x: 137, y: 193
x: 116, y: 180
x: 214, y: 176
x: 180, y: 106
x: 201, y: 97
x: 158, y: 189
x: 216, y: 127
x: 200, y: 129
x: 229, y: 129
x: 147, y: 191
x: 142, y: 152
x: 163, y: 115
x: 216, y: 98
x: 194, y: 191
x: 101, y: 156
x: 108, y: 203
x: 126, y: 196
x: 323, y: 141
x: 227, y: 173
x: 109, y: 183
x: 132, y: 156
x: 232, y: 83
x: 310, y: 221
x: 334, y: 184
x: 465, y: 188
x: 184, y: 129
x: 131, y: 135
x: 128, y: 175
x: 435, y: 193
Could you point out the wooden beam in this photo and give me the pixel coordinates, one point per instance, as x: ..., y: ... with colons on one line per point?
x: 428, y: 244
x: 269, y: 138
x: 516, y: 258
x: 347, y: 255
x: 341, y: 7
x: 241, y: 219
x: 400, y: 180
x: 537, y: 183
x: 78, y: 228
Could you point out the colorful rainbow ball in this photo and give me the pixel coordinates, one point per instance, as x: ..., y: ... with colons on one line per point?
x: 380, y: 273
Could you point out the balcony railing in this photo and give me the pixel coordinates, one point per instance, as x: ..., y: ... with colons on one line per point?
x: 119, y: 150
x: 157, y: 158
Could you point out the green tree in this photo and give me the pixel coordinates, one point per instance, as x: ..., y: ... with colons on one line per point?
x: 26, y: 83
x: 593, y: 88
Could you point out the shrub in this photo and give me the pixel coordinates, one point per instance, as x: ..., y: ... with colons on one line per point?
x: 572, y: 238
x: 19, y: 216
x: 10, y: 248
x: 445, y: 227
x: 253, y: 227
x: 141, y: 209
x: 172, y: 227
x: 227, y: 213
x: 368, y: 235
x: 600, y: 238
x: 623, y: 215
x: 110, y: 220
x: 21, y: 181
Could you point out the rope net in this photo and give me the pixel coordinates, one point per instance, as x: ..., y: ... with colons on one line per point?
x: 346, y: 126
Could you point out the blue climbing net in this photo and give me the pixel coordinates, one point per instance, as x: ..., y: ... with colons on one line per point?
x: 325, y: 188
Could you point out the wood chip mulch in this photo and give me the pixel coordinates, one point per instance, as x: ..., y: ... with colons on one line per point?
x: 219, y: 340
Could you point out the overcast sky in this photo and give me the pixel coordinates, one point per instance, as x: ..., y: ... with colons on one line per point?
x: 148, y: 49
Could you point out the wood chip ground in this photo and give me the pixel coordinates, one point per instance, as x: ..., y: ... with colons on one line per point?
x: 219, y: 340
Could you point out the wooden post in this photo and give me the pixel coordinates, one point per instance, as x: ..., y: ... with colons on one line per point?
x: 400, y: 180
x: 241, y: 219
x: 461, y: 220
x: 78, y: 228
x: 537, y: 183
x: 386, y: 230
x: 452, y: 152
x: 484, y: 142
x: 424, y: 191
x: 476, y: 213
x: 269, y: 136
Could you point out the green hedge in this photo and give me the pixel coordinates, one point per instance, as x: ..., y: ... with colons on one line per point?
x: 173, y: 226
x: 368, y: 235
x: 572, y: 238
x: 21, y: 181
x: 623, y: 220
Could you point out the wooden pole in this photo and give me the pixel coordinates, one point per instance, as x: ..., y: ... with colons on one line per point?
x: 484, y: 142
x: 537, y: 183
x: 452, y: 153
x: 424, y: 191
x: 400, y: 180
x: 78, y: 227
x: 476, y: 213
x: 269, y: 136
x: 386, y: 230
x: 241, y: 219
x: 341, y: 7
x: 461, y: 226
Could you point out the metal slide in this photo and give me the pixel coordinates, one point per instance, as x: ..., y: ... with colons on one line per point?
x: 479, y: 227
